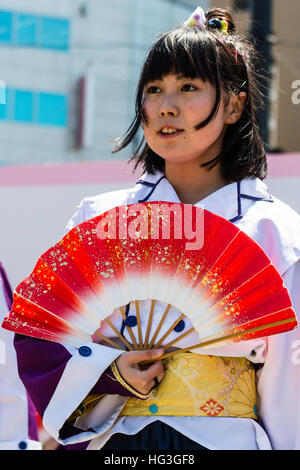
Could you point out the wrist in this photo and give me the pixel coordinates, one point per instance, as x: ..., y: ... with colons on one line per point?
x: 125, y: 384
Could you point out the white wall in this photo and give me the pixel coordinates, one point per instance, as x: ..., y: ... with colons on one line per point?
x: 33, y: 218
x: 286, y: 189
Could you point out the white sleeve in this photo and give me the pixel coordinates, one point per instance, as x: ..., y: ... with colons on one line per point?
x: 77, y: 218
x: 13, y: 397
x: 279, y: 379
x: 80, y: 375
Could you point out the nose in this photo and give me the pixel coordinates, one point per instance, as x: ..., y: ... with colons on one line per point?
x: 168, y: 108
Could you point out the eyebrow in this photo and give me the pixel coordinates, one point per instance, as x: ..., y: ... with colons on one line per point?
x: 178, y: 78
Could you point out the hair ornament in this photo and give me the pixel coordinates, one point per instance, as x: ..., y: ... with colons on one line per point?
x: 197, y: 18
x: 217, y: 23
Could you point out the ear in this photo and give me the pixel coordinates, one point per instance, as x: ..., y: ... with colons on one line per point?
x: 235, y: 107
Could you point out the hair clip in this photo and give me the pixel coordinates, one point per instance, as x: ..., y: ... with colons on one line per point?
x: 221, y: 25
x: 237, y: 90
x: 197, y: 18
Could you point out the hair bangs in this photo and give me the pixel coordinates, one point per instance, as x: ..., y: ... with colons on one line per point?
x: 181, y: 52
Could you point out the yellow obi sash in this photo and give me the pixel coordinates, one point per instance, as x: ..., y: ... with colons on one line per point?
x: 196, y: 385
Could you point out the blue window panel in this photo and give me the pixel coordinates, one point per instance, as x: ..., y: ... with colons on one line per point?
x: 5, y: 26
x: 52, y: 109
x: 6, y: 110
x: 2, y: 92
x: 26, y: 30
x: 3, y: 111
x: 23, y: 106
x: 55, y: 33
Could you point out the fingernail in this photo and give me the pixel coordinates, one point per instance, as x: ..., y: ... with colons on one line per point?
x: 159, y: 352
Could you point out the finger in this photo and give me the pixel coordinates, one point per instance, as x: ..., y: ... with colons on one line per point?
x: 160, y: 376
x: 157, y: 380
x: 155, y: 383
x: 134, y: 357
x: 153, y: 371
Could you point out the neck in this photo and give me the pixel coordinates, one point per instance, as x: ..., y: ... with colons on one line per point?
x: 193, y: 183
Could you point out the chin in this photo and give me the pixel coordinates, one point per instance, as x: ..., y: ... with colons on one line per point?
x: 180, y: 159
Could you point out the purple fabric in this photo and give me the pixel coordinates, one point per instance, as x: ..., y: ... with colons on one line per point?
x: 110, y: 386
x: 6, y: 287
x: 79, y: 446
x: 32, y: 421
x: 41, y: 364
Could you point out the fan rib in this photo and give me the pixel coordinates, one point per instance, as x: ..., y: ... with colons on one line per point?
x: 169, y: 331
x: 224, y: 338
x: 149, y: 324
x: 128, y: 328
x: 124, y: 340
x: 159, y: 326
x: 138, y: 318
x: 166, y: 346
x: 109, y: 341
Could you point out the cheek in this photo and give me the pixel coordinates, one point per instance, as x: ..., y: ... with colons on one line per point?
x: 148, y: 134
x: 148, y: 112
x: 144, y: 118
x: 214, y: 128
x: 193, y: 110
x: 199, y: 111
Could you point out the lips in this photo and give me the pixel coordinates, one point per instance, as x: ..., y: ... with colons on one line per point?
x: 169, y: 131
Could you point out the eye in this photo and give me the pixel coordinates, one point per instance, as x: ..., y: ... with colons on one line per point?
x: 188, y: 87
x: 152, y: 90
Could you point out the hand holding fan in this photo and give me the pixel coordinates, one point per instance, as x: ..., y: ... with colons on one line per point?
x: 177, y: 254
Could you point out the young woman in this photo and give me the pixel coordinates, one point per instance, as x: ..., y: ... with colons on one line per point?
x: 195, y: 102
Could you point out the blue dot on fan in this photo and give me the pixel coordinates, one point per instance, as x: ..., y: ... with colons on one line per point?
x: 180, y: 326
x: 131, y: 321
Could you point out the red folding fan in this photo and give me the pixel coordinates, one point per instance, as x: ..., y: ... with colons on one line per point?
x: 178, y: 254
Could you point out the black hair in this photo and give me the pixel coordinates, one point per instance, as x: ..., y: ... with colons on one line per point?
x: 227, y: 62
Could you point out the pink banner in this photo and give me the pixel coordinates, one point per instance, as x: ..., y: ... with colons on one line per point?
x: 284, y: 165
x: 68, y: 173
x: 280, y: 166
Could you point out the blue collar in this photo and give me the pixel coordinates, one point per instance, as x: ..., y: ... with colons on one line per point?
x: 226, y: 201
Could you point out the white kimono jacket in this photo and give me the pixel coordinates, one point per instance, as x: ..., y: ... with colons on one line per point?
x: 276, y: 227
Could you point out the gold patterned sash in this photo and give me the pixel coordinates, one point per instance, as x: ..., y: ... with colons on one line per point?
x: 196, y: 385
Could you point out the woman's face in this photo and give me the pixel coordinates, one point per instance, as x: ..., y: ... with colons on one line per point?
x: 173, y: 106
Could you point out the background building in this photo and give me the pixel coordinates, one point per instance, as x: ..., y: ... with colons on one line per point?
x: 285, y: 51
x: 70, y: 67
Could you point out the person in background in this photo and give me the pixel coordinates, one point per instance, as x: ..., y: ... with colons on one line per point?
x: 18, y: 419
